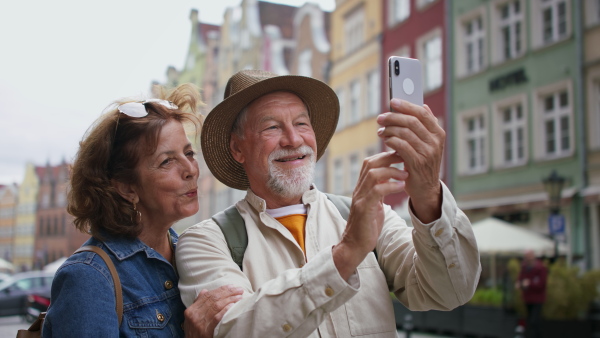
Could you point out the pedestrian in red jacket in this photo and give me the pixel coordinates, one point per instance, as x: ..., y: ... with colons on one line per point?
x: 532, y: 283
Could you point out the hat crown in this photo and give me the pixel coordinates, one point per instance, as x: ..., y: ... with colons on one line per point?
x: 244, y: 79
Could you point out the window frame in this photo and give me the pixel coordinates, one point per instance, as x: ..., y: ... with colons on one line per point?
x: 537, y: 18
x: 373, y: 92
x: 497, y: 25
x: 354, y: 29
x: 392, y: 6
x: 464, y: 168
x: 540, y: 118
x: 498, y: 109
x: 435, y: 33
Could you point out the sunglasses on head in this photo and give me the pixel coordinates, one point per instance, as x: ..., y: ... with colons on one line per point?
x: 138, y: 109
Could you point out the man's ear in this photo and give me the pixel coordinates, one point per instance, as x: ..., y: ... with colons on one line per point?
x: 234, y: 147
x: 126, y: 191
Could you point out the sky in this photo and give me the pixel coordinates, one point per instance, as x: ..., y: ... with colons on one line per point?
x: 62, y: 62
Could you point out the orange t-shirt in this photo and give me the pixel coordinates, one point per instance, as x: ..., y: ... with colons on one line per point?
x: 295, y: 224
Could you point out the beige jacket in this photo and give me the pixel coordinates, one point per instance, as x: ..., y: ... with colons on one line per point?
x: 433, y: 266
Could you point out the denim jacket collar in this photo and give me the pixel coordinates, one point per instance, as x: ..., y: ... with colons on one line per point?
x: 124, y: 248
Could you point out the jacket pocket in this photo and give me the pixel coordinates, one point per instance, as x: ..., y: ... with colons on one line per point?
x: 370, y: 311
x: 151, y: 316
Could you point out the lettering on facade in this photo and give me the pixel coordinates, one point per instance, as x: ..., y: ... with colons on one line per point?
x: 513, y: 78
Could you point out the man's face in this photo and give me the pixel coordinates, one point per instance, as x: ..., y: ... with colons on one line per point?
x: 278, y: 149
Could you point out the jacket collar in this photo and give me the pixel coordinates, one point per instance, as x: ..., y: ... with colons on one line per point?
x: 124, y: 248
x: 260, y: 205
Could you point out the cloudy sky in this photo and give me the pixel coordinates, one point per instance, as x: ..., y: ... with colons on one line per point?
x: 63, y: 61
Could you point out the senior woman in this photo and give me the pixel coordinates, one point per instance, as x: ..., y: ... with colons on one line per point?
x: 134, y: 176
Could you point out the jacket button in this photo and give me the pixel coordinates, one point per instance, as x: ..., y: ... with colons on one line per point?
x: 329, y: 292
x: 287, y: 327
x: 439, y: 232
x: 160, y: 317
x: 451, y: 266
x: 168, y: 285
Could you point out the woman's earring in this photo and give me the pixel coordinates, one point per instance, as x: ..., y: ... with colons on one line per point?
x: 138, y: 214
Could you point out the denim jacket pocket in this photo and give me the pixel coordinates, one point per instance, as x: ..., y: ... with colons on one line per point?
x: 149, y: 316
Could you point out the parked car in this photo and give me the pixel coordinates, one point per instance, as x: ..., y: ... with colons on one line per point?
x: 14, y: 291
x: 3, y: 276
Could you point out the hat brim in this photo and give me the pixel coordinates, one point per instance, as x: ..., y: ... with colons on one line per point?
x: 321, y: 101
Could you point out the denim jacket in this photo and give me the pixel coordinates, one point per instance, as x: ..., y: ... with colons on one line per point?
x: 83, y: 301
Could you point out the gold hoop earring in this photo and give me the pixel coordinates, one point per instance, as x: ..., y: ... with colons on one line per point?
x: 138, y: 214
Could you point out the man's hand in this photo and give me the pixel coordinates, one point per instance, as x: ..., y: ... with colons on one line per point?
x: 415, y: 135
x: 202, y: 317
x: 366, y: 212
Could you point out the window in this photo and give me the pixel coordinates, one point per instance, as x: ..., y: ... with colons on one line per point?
x: 551, y: 21
x: 354, y: 29
x: 354, y: 102
x: 342, y: 98
x: 423, y: 3
x: 338, y: 177
x: 304, y: 63
x: 354, y: 171
x: 510, y: 29
x: 556, y: 123
x: 554, y: 115
x: 474, y: 35
x: 511, y: 141
x: 430, y: 54
x: 373, y: 92
x: 399, y: 11
x: 476, y: 142
x: 473, y: 141
x: 592, y: 12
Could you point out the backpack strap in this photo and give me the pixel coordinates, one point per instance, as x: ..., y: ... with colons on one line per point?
x: 113, y: 273
x: 342, y: 203
x: 234, y: 229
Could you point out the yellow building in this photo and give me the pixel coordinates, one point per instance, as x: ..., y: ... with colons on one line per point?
x: 355, y: 77
x: 25, y: 223
x: 8, y: 210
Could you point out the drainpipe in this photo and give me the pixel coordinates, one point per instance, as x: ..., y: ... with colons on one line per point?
x: 581, y: 136
x: 449, y: 93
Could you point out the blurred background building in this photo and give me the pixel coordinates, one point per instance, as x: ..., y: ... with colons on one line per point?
x: 515, y: 83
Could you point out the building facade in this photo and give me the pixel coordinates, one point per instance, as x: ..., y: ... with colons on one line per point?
x: 591, y: 70
x: 416, y: 29
x: 55, y: 234
x: 25, y: 224
x: 355, y: 77
x: 516, y: 112
x: 9, y: 198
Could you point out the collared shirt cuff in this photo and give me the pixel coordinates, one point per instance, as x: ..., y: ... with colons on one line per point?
x: 323, y: 282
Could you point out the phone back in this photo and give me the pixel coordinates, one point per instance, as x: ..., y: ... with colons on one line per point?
x: 405, y: 79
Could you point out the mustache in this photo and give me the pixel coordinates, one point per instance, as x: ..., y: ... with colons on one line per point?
x: 302, y: 150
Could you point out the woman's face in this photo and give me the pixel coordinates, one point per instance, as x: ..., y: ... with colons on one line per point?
x: 168, y: 189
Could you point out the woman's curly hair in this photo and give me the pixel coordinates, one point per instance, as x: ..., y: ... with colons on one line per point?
x: 111, y: 149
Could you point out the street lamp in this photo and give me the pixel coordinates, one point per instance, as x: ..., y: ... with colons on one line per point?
x: 553, y: 185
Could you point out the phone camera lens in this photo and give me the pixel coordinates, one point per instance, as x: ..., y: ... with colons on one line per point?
x: 397, y: 67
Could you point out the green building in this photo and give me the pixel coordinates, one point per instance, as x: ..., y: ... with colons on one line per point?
x: 517, y: 113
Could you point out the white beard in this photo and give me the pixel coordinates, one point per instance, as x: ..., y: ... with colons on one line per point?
x: 293, y: 182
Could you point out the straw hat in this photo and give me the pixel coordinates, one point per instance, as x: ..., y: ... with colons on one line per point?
x: 243, y: 88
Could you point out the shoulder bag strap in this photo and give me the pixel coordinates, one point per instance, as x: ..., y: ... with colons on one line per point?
x: 114, y: 274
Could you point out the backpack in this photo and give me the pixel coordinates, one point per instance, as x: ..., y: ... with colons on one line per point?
x: 234, y: 228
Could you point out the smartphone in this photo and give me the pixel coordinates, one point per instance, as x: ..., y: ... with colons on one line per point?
x: 405, y: 79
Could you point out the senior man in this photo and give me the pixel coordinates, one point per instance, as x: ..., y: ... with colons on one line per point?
x: 307, y: 271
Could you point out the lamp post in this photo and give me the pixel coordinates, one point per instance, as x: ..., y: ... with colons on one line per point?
x: 556, y: 222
